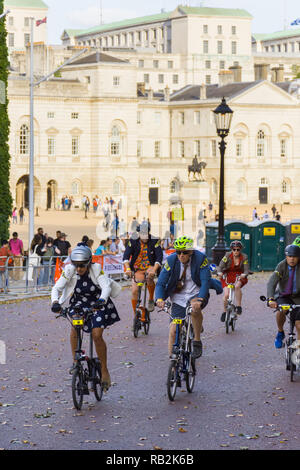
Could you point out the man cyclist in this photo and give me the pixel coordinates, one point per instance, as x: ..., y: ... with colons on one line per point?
x: 142, y: 255
x: 284, y: 288
x: 87, y: 287
x: 185, y: 277
x: 235, y: 266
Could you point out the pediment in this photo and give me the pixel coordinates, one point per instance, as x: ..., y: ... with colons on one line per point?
x: 265, y: 93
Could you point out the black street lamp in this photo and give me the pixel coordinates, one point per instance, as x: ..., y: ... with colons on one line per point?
x: 223, y: 116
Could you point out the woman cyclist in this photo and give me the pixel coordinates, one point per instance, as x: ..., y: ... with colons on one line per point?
x: 235, y: 266
x: 85, y: 284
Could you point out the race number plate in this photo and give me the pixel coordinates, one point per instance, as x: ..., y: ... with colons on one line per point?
x: 177, y: 321
x: 78, y: 322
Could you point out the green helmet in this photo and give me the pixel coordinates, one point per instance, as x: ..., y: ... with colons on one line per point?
x: 297, y: 241
x: 184, y: 243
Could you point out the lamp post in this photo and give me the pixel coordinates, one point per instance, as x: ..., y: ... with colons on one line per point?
x: 223, y: 116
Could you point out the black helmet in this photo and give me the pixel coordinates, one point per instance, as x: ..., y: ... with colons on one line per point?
x: 81, y: 254
x: 292, y: 250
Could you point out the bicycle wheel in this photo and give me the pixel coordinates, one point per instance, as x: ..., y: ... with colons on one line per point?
x: 96, y: 379
x: 172, y: 380
x: 147, y: 321
x: 77, y: 387
x: 227, y: 319
x: 191, y: 369
x: 137, y: 323
x: 232, y: 323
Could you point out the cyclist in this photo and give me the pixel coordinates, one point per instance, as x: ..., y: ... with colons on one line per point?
x: 143, y: 254
x: 185, y: 277
x: 284, y: 288
x: 236, y: 267
x: 86, y: 286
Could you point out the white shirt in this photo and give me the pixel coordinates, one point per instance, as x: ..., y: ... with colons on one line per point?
x: 189, y: 290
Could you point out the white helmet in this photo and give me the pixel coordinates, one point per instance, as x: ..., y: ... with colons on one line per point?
x: 81, y: 254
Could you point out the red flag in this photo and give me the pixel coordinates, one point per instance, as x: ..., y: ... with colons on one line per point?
x: 44, y: 20
x: 58, y: 269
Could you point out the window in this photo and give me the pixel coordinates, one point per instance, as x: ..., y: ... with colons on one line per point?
x: 239, y: 148
x: 139, y: 148
x: 157, y: 148
x: 26, y: 39
x: 205, y: 29
x: 115, y: 141
x: 75, y: 188
x: 146, y: 77
x: 26, y: 21
x: 51, y: 145
x: 24, y: 139
x: 175, y: 79
x: 116, y: 81
x: 170, y: 64
x: 222, y: 65
x: 155, y: 64
x: 50, y: 115
x: 284, y: 186
x: 160, y: 78
x: 233, y: 47
x: 260, y: 144
x: 214, y: 148
x: 241, y: 189
x: 283, y: 148
x: 74, y: 115
x: 205, y: 47
x: 233, y: 30
x: 10, y: 20
x: 197, y: 148
x: 219, y: 29
x: 11, y: 39
x: 220, y: 47
x: 75, y: 145
x: 157, y: 118
x: 139, y: 117
x: 181, y: 118
x: 196, y: 117
x: 181, y: 149
x: 141, y: 63
x: 207, y: 64
x: 207, y: 79
x: 174, y: 186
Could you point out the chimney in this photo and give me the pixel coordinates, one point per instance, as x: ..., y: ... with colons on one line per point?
x: 278, y: 74
x: 260, y: 72
x: 167, y: 93
x: 237, y: 73
x: 225, y: 77
x: 203, y: 91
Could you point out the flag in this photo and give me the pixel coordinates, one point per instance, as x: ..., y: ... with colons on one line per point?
x: 58, y: 269
x: 295, y: 22
x: 38, y: 22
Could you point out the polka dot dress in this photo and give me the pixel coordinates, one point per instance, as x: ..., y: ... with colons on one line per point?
x: 85, y: 295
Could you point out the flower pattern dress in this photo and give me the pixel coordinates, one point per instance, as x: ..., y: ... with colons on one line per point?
x: 85, y: 295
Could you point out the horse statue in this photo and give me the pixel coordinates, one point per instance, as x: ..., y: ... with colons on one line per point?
x: 196, y: 168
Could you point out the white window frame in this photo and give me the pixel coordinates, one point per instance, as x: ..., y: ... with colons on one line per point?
x: 75, y: 145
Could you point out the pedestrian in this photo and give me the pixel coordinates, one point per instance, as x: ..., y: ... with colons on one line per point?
x: 5, y: 252
x: 87, y: 207
x: 111, y: 202
x: 63, y: 203
x: 266, y: 215
x: 134, y: 225
x: 95, y: 205
x: 274, y: 210
x: 14, y: 216
x: 66, y: 203
x: 254, y: 214
x: 210, y: 208
x: 21, y: 215
x: 277, y: 216
x: 16, y: 247
x: 40, y: 231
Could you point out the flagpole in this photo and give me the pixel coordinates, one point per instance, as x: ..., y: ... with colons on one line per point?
x: 31, y: 157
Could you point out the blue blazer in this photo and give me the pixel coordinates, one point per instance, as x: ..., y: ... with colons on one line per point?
x: 200, y: 272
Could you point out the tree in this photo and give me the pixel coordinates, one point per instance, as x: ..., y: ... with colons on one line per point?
x: 5, y: 194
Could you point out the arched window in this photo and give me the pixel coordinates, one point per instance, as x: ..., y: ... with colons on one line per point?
x: 115, y: 141
x: 174, y: 186
x: 116, y: 188
x: 284, y: 187
x: 24, y: 140
x: 75, y: 188
x: 241, y: 189
x: 260, y: 144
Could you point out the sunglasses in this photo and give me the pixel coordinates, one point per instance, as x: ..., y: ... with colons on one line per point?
x: 236, y: 249
x: 80, y: 265
x: 183, y: 253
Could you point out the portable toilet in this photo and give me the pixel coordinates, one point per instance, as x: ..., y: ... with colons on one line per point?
x: 292, y: 230
x: 267, y: 244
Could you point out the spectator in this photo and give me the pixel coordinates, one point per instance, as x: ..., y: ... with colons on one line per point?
x: 90, y: 243
x: 274, y: 210
x: 111, y: 202
x: 101, y: 248
x: 134, y: 225
x: 266, y: 215
x: 63, y: 245
x: 34, y: 257
x: 16, y: 247
x: 14, y: 216
x: 84, y: 241
x: 120, y: 247
x: 48, y: 253
x: 4, y: 254
x: 254, y: 214
x: 277, y: 216
x: 40, y: 231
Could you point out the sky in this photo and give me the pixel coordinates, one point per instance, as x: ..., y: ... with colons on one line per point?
x: 268, y: 15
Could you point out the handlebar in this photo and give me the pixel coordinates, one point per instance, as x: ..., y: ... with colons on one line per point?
x: 283, y: 307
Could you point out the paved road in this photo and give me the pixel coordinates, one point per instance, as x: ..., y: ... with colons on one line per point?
x: 242, y: 398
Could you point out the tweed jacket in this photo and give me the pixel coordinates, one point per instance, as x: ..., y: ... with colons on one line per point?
x: 278, y: 281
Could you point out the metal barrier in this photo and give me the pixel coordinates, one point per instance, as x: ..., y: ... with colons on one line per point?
x: 23, y: 275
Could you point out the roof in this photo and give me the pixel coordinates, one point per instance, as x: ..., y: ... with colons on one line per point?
x: 192, y: 92
x: 206, y: 11
x: 126, y: 23
x: 163, y: 16
x: 25, y: 3
x: 72, y: 32
x: 277, y: 34
x: 97, y: 57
